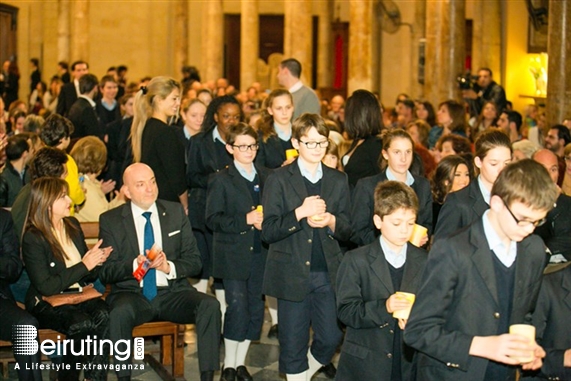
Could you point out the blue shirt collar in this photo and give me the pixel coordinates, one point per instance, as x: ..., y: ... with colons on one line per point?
x: 186, y: 133
x: 285, y: 136
x: 248, y: 176
x: 409, y: 178
x: 308, y: 175
x: 486, y: 194
x: 396, y: 259
x: 507, y: 255
x: 216, y: 135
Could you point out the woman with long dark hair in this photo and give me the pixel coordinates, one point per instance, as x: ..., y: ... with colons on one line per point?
x: 57, y: 260
x: 362, y: 124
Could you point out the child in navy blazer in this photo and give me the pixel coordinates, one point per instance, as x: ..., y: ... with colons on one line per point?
x: 306, y: 213
x: 234, y: 215
x: 367, y: 284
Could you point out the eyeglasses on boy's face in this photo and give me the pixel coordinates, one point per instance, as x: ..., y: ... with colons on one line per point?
x: 524, y: 223
x: 314, y: 145
x: 244, y: 148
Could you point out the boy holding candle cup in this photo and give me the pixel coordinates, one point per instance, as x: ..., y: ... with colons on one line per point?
x: 370, y: 285
x: 306, y: 214
x: 482, y: 280
x: 235, y: 215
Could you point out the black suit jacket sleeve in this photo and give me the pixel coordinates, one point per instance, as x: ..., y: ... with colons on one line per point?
x: 425, y: 331
x: 119, y: 264
x: 187, y: 261
x: 352, y: 309
x: 362, y: 210
x: 450, y: 218
x: 10, y: 263
x: 218, y: 197
x: 49, y: 279
x: 279, y: 223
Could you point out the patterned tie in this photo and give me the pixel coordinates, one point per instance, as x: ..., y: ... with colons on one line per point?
x: 150, y: 284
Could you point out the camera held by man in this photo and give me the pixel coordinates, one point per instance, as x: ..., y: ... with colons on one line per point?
x: 484, y: 89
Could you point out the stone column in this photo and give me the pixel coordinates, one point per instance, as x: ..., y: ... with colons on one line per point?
x: 362, y: 72
x: 80, y: 31
x: 212, y: 40
x: 324, y: 43
x: 445, y: 49
x: 63, y: 33
x: 298, y: 35
x: 417, y: 33
x: 559, y: 64
x: 180, y: 35
x: 249, y: 42
x: 486, y: 37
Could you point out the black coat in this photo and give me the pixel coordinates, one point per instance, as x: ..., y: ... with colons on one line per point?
x: 364, y: 161
x: 66, y: 98
x: 551, y: 320
x: 362, y: 211
x: 10, y: 262
x: 85, y: 120
x: 363, y: 286
x: 49, y: 275
x: 164, y: 153
x: 460, y: 209
x: 271, y: 153
x: 458, y: 299
x: 227, y: 203
x: 556, y: 232
x: 202, y: 161
x: 290, y: 240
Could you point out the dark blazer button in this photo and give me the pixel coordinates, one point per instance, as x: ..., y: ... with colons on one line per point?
x: 309, y: 241
x: 390, y: 355
x: 497, y: 315
x: 307, y: 263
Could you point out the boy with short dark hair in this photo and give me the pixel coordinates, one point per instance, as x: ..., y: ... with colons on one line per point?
x: 481, y: 280
x: 15, y: 174
x: 306, y: 214
x: 367, y: 284
x: 239, y: 256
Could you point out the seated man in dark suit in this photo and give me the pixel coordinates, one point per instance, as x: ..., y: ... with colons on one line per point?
x: 83, y: 114
x: 164, y: 293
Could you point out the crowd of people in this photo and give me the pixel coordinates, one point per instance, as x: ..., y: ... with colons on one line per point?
x: 333, y: 212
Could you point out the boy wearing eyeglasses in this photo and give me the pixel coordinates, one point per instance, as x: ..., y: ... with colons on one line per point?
x: 480, y: 281
x: 239, y: 257
x: 306, y: 214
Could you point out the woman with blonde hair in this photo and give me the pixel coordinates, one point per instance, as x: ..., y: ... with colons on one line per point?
x: 90, y: 155
x: 57, y: 260
x: 155, y: 143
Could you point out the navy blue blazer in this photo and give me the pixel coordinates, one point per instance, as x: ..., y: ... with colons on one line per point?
x: 460, y: 209
x: 202, y: 161
x: 363, y: 286
x: 271, y: 153
x: 551, y: 320
x: 290, y: 240
x: 227, y: 203
x: 363, y: 207
x: 458, y: 299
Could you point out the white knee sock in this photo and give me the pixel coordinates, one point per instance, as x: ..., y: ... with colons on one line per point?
x: 242, y: 351
x: 230, y: 349
x: 273, y: 308
x: 314, y: 365
x: 201, y: 285
x: 297, y: 377
x: 221, y: 297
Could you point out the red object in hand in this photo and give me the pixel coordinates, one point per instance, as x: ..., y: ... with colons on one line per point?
x: 144, y: 266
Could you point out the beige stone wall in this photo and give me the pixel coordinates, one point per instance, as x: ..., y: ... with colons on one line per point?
x: 140, y: 34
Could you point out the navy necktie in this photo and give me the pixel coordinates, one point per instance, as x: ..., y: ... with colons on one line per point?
x: 150, y: 284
